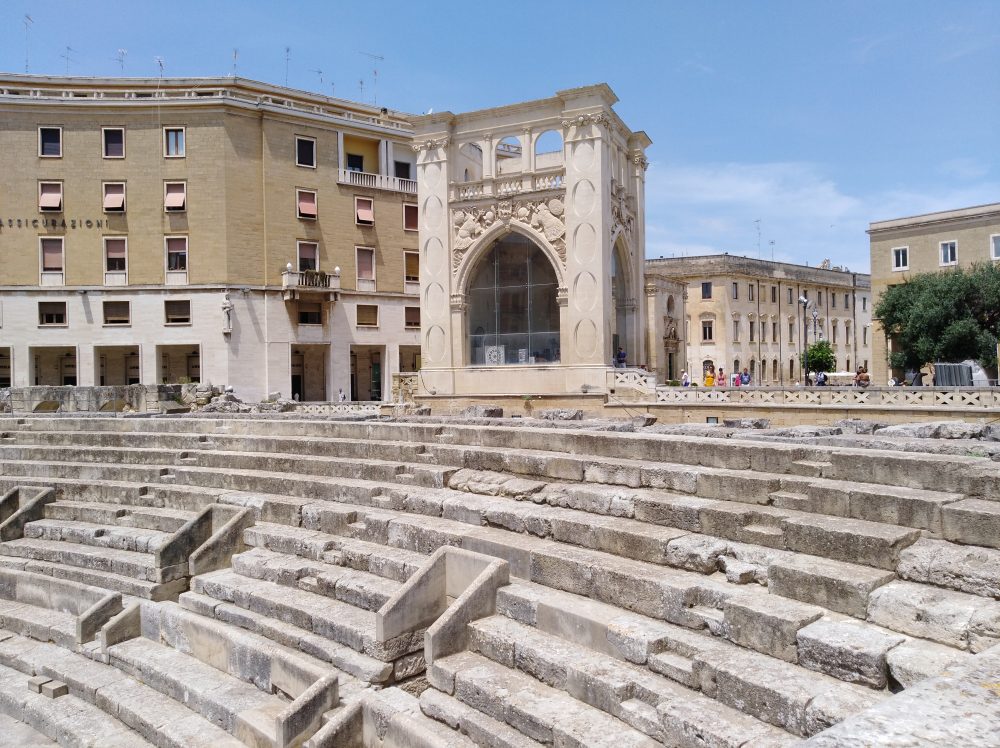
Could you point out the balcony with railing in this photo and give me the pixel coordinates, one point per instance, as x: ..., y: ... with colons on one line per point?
x: 506, y: 186
x: 378, y: 181
x: 296, y: 284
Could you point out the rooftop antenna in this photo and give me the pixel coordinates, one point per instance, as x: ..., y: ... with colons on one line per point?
x: 67, y: 55
x: 236, y: 54
x: 361, y: 85
x: 159, y: 62
x: 319, y: 73
x: 288, y: 54
x: 376, y: 59
x: 333, y: 90
x: 757, y: 222
x: 120, y: 58
x: 28, y: 20
x: 772, y: 250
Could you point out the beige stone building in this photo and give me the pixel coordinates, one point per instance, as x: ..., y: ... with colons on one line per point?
x: 213, y: 229
x: 929, y: 243
x: 745, y: 313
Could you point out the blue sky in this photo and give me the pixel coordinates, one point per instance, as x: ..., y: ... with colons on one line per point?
x: 813, y: 117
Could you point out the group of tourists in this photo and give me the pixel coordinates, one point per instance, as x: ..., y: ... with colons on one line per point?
x: 718, y: 378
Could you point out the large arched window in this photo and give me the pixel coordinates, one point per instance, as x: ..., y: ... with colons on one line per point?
x: 513, y: 312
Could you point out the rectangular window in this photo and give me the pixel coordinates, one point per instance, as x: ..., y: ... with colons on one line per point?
x: 411, y: 267
x: 774, y: 332
x: 411, y: 316
x: 752, y: 327
x: 736, y: 290
x: 401, y: 169
x: 306, y: 204
x: 177, y: 253
x: 355, y: 162
x: 819, y: 298
x: 706, y: 290
x: 364, y: 211
x: 50, y: 142
x: 115, y: 254
x: 310, y: 313
x: 833, y: 300
x: 305, y: 152
x: 52, y: 254
x: 834, y: 331
x: 174, y: 197
x: 114, y: 142
x: 366, y: 268
x: 995, y: 246
x: 750, y: 291
x: 114, y: 197
x: 173, y: 142
x: 864, y: 303
x: 763, y: 331
x: 864, y: 335
x: 50, y: 197
x: 847, y: 301
x: 706, y: 330
x: 901, y: 258
x: 367, y: 315
x: 949, y: 253
x: 177, y: 311
x: 789, y: 295
x: 116, y: 313
x: 736, y: 329
x: 791, y: 332
x: 52, y: 312
x: 410, y: 221
x: 308, y: 256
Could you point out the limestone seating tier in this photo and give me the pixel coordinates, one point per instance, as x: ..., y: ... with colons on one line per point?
x: 710, y: 593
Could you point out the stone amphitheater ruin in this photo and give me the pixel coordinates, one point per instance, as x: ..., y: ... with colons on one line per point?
x: 422, y: 581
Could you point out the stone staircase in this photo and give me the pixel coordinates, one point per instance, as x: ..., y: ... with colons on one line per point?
x: 664, y: 590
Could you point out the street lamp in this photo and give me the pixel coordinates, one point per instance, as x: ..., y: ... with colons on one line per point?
x: 805, y: 338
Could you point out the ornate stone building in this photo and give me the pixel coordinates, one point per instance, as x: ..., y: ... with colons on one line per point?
x: 742, y: 312
x: 532, y: 245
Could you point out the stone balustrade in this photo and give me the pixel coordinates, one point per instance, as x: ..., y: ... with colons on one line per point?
x: 876, y: 397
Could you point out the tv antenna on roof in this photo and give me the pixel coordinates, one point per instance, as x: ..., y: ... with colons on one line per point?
x: 236, y: 54
x: 319, y: 73
x: 288, y: 54
x: 757, y: 222
x: 28, y: 20
x: 67, y: 55
x: 376, y: 59
x: 120, y: 58
x: 361, y: 85
x: 159, y: 62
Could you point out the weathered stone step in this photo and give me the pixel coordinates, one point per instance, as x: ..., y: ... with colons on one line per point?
x: 366, y: 669
x: 126, y: 563
x: 41, y: 623
x: 480, y: 728
x: 626, y: 691
x: 392, y: 717
x: 222, y: 699
x: 127, y: 585
x: 137, y: 539
x: 71, y: 489
x: 538, y: 711
x: 86, y: 471
x: 332, y: 619
x: 357, y: 588
x: 68, y: 720
x: 156, y: 717
x: 148, y: 518
x: 959, y: 567
x: 81, y: 453
x: 393, y: 563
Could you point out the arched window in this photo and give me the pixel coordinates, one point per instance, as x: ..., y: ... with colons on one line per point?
x: 774, y: 370
x: 548, y: 149
x: 513, y: 312
x: 508, y: 156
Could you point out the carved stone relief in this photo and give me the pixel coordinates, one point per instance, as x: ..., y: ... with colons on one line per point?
x: 546, y: 216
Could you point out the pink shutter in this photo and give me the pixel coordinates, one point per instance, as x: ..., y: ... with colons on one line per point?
x: 307, y: 204
x: 115, y: 249
x: 366, y: 213
x: 51, y: 196
x: 52, y: 255
x: 366, y: 260
x: 175, y: 195
x: 114, y: 196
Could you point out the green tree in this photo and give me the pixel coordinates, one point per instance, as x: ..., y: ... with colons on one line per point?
x: 949, y: 316
x: 820, y: 356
